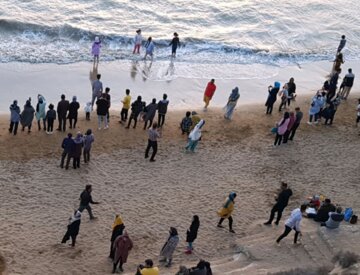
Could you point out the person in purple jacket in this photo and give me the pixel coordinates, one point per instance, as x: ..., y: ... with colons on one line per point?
x: 95, y: 50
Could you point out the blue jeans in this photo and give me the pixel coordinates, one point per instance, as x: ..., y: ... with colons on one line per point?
x: 191, y: 145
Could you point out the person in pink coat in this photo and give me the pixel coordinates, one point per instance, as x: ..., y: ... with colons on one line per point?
x: 282, y: 127
x: 291, y: 124
x: 122, y: 245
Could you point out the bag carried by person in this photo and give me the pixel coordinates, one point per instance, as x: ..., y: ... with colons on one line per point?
x: 348, y: 214
x: 274, y: 130
x: 353, y: 219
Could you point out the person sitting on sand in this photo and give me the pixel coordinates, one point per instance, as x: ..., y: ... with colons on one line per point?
x: 62, y: 110
x: 282, y: 200
x: 183, y: 270
x: 117, y: 230
x: 273, y: 91
x: 73, y: 112
x: 335, y: 218
x: 86, y: 199
x: 186, y: 123
x: 136, y: 108
x: 194, y: 137
x: 88, y: 140
x: 27, y: 116
x: 282, y: 127
x: 67, y: 145
x: 209, y: 93
x: 191, y: 234
x: 202, y: 268
x: 293, y: 223
x: 231, y: 104
x: 322, y: 214
x: 169, y: 247
x: 148, y: 269
x: 122, y: 246
x: 73, y: 228
x: 162, y: 110
x: 150, y: 113
x: 195, y: 118
x: 15, y: 117
x: 226, y: 211
x: 315, y: 202
x: 40, y: 111
x: 50, y: 118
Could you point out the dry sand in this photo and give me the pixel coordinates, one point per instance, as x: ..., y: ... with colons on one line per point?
x: 37, y: 197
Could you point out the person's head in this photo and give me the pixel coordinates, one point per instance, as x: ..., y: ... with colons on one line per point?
x: 343, y: 37
x: 155, y: 125
x: 212, y: 80
x: 283, y: 185
x: 98, y: 76
x: 153, y: 101
x: 28, y: 103
x: 196, y: 218
x: 15, y: 102
x: 149, y: 263
x: 286, y: 115
x: 173, y: 231
x: 323, y: 93
x: 51, y: 106
x: 201, y: 264
x: 127, y: 91
x: 78, y: 135
x: 77, y: 214
x: 188, y: 114
x: 339, y: 209
x: 193, y: 113
x: 164, y: 96
x: 277, y: 84
x: 297, y: 109
x: 139, y: 98
x: 138, y: 31
x: 327, y: 201
x: 291, y: 80
x: 74, y: 99
x: 285, y: 86
x: 97, y: 39
x: 175, y: 34
x: 88, y: 187
x: 62, y: 96
x: 232, y: 195
x: 338, y: 71
x: 69, y: 135
x: 107, y: 90
x: 303, y: 208
x: 88, y: 132
x: 150, y: 39
x: 350, y: 70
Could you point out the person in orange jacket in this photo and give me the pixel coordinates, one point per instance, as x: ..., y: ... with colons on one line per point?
x: 226, y: 211
x: 209, y: 92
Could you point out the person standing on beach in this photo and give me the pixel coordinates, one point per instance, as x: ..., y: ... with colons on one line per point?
x: 333, y: 85
x: 231, y: 104
x: 27, y: 116
x: 293, y: 223
x: 330, y: 111
x: 73, y: 228
x: 298, y: 117
x: 97, y: 89
x: 175, y: 42
x: 73, y: 112
x: 289, y: 127
x: 86, y: 199
x: 150, y: 113
x: 88, y: 140
x: 162, y: 110
x: 209, y: 92
x: 122, y: 246
x: 316, y: 104
x: 291, y: 90
x: 67, y: 145
x: 108, y: 98
x: 273, y: 91
x: 14, y: 117
x: 102, y: 110
x: 137, y: 41
x: 194, y: 137
x: 153, y: 135
x: 126, y: 106
x: 88, y: 110
x: 62, y: 110
x: 186, y: 123
x: 191, y: 234
x: 95, y: 50
x: 226, y: 211
x: 338, y: 61
x: 40, y: 112
x: 149, y: 48
x: 341, y: 44
x: 117, y: 230
x: 284, y: 94
x: 77, y: 148
x: 136, y: 109
x: 282, y: 127
x: 169, y: 247
x: 348, y: 83
x: 50, y: 118
x: 282, y: 200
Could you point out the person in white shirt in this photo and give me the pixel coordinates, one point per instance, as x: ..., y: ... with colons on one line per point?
x: 293, y: 222
x: 138, y: 41
x: 358, y: 113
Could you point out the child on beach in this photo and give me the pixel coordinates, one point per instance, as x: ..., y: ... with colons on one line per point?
x: 175, y: 42
x: 226, y: 211
x: 137, y: 41
x: 95, y: 50
x: 284, y: 94
x: 186, y: 123
x: 194, y: 137
x: 126, y: 106
x: 149, y: 48
x: 50, y: 118
x: 148, y: 269
x: 88, y: 110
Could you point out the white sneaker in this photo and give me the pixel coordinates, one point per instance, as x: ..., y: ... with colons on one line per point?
x: 310, y: 123
x: 106, y: 127
x: 316, y: 122
x: 99, y: 128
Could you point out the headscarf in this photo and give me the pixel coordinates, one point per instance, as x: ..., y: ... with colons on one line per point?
x: 75, y: 217
x: 28, y: 103
x: 196, y: 132
x: 118, y: 220
x: 74, y: 98
x: 231, y: 198
x: 78, y: 138
x: 173, y: 231
x: 277, y: 84
x: 234, y: 94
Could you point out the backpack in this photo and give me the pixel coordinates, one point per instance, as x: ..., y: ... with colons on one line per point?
x: 348, y: 213
x: 353, y: 219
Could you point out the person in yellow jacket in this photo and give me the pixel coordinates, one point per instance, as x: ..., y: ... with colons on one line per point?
x: 226, y: 211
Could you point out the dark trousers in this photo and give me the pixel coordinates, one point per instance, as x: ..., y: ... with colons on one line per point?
x: 115, y: 264
x: 316, y: 117
x: 331, y: 118
x: 67, y: 237
x: 50, y: 124
x: 293, y: 131
x: 269, y: 108
x: 282, y: 104
x: 132, y: 117
x: 279, y: 211
x: 88, y: 208
x: 44, y: 124
x: 146, y: 122
x: 13, y: 127
x: 87, y: 115
x: 68, y: 161
x: 124, y: 114
x: 63, y: 156
x: 286, y: 136
x: 86, y: 155
x: 278, y: 139
x: 230, y: 222
x: 76, y: 162
x: 161, y: 119
x: 357, y: 119
x: 62, y: 123
x: 286, y: 232
x: 153, y: 145
x: 71, y: 122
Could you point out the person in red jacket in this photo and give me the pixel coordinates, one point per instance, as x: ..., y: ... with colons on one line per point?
x: 209, y: 92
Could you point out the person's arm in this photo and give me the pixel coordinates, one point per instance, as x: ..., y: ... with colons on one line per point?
x: 172, y: 41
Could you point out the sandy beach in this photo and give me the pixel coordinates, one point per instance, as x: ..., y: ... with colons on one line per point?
x: 37, y: 197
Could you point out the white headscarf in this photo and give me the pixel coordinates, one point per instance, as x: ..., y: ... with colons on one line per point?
x: 195, y: 134
x: 75, y: 217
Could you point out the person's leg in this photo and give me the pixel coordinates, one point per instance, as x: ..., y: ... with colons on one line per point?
x: 106, y: 122
x: 220, y: 222
x: 147, y: 149
x: 64, y: 124
x: 60, y: 121
x: 67, y: 161
x: 296, y: 236
x: 357, y: 120
x: 70, y: 122
x: 89, y: 210
x: 77, y: 162
x: 63, y: 156
x: 293, y: 131
x: 39, y: 126
x: 75, y: 121
x: 85, y: 155
x: 44, y: 124
x: 126, y: 112
x: 135, y: 122
x: 272, y: 214
x: 145, y: 124
x: 271, y: 108
x: 154, y: 147
x: 280, y: 139
x: 129, y: 123
x: 87, y: 116
x: 73, y: 240
x: 66, y: 237
x: 151, y: 121
x: 279, y: 215
x: 121, y: 265
x: 162, y: 120
x: 346, y: 92
x: 74, y: 162
x: 93, y: 99
x: 230, y: 224
x: 280, y: 107
x: 332, y: 117
x: 99, y: 122
x: 283, y: 235
x: 193, y: 145
x: 190, y: 246
x: 16, y: 125
x: 286, y: 136
x: 276, y: 139
x: 122, y: 115
x: 11, y: 126
x: 115, y: 266
x: 310, y: 118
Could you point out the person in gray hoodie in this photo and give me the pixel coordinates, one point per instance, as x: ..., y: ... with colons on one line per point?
x: 27, y: 116
x: 335, y: 218
x: 150, y: 113
x: 14, y: 117
x: 88, y: 140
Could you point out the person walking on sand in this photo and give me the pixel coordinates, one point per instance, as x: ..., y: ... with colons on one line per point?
x: 137, y: 42
x: 62, y: 110
x: 73, y: 112
x: 86, y: 199
x: 293, y: 223
x: 14, y: 117
x: 298, y: 117
x: 231, y: 104
x: 348, y: 83
x: 282, y: 127
x: 50, y: 118
x: 162, y: 110
x: 289, y: 127
x: 97, y: 89
x: 209, y: 93
x: 88, y: 110
x: 41, y: 112
x: 101, y: 111
x: 27, y: 116
x: 186, y: 123
x: 191, y: 234
x: 136, y: 109
x: 273, y: 91
x: 95, y: 50
x: 67, y: 146
x: 150, y: 113
x: 194, y: 137
x: 169, y: 247
x: 88, y: 141
x: 153, y: 135
x: 226, y: 211
x: 282, y: 200
x: 149, y: 48
x: 122, y: 245
x: 126, y: 106
x: 175, y: 43
x: 148, y: 269
x: 73, y: 228
x: 117, y: 230
x: 341, y: 44
x: 77, y: 148
x: 291, y: 90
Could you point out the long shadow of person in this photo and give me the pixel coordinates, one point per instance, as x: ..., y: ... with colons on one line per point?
x: 170, y: 70
x: 134, y: 69
x: 146, y: 70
